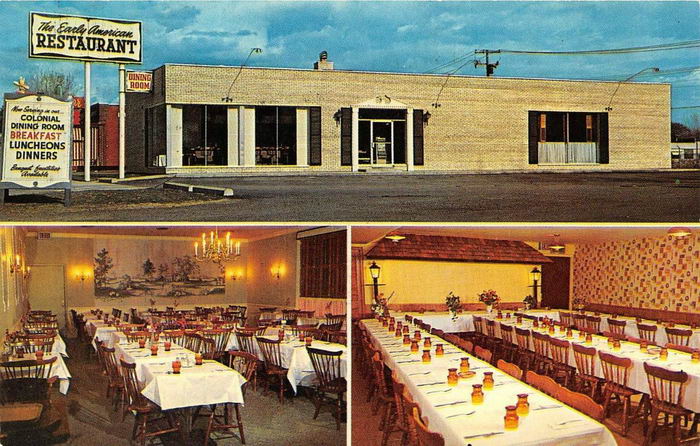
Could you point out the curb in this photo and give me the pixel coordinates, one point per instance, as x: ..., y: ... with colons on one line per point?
x: 141, y: 178
x: 212, y: 190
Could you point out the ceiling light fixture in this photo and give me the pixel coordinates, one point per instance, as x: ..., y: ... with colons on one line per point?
x: 217, y: 250
x: 395, y: 238
x: 556, y: 245
x: 679, y: 231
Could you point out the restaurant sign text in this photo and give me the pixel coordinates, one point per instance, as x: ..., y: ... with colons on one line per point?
x: 84, y: 38
x: 36, y: 142
x: 139, y: 81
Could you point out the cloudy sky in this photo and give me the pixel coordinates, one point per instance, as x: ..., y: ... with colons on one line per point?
x: 387, y: 36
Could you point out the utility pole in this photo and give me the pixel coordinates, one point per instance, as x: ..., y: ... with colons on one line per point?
x: 489, y: 66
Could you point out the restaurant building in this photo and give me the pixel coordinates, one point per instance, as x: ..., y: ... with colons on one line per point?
x: 219, y: 120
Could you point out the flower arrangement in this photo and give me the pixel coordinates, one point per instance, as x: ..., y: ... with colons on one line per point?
x: 380, y: 306
x: 453, y: 304
x: 579, y: 303
x: 489, y: 297
x: 529, y: 302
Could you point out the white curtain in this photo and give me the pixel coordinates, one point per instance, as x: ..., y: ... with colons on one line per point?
x: 558, y: 153
x: 552, y: 153
x: 583, y: 152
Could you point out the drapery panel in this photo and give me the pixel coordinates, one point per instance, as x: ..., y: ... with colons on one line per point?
x: 324, y: 265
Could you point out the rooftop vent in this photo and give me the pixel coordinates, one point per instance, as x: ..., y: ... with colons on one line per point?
x: 323, y: 62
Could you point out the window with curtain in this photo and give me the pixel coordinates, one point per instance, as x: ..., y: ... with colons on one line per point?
x: 323, y: 260
x: 568, y: 138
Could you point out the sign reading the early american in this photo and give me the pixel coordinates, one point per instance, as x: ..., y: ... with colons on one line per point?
x: 85, y: 38
x: 139, y: 81
x: 37, y: 142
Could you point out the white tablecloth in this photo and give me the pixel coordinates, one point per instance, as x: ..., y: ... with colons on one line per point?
x: 58, y: 369
x: 559, y: 425
x: 661, y: 337
x: 210, y: 383
x: 464, y: 321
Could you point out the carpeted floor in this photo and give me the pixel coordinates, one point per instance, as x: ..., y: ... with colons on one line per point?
x: 92, y: 421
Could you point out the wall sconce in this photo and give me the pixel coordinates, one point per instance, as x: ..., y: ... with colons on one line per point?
x: 82, y: 274
x: 235, y: 275
x: 276, y: 271
x: 426, y: 117
x: 17, y: 265
x: 27, y: 271
x: 336, y: 117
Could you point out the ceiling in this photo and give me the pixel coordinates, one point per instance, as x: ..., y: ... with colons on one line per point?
x: 540, y: 233
x: 250, y: 233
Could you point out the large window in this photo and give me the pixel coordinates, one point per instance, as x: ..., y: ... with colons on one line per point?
x: 275, y: 136
x: 204, y: 135
x: 568, y: 138
x: 323, y: 265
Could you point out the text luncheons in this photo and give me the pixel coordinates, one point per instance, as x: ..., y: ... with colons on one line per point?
x: 37, y: 145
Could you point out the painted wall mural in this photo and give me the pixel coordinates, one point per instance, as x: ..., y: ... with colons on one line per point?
x: 153, y: 268
x: 658, y: 273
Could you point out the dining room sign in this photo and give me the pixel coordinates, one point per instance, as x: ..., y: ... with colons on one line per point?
x: 93, y: 39
x: 37, y: 141
x: 139, y: 81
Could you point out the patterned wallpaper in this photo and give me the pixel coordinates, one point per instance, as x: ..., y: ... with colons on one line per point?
x: 657, y: 273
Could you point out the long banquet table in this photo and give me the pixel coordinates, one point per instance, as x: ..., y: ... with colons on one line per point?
x: 631, y: 328
x: 442, y: 320
x: 637, y: 380
x: 549, y: 422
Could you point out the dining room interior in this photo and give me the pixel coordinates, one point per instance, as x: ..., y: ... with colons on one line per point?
x: 181, y: 334
x: 525, y: 334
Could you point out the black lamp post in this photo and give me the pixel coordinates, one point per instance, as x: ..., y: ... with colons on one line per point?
x: 374, y: 270
x: 535, y: 276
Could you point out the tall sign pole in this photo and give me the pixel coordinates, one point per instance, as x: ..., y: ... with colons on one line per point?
x: 87, y: 136
x: 122, y: 120
x: 89, y: 39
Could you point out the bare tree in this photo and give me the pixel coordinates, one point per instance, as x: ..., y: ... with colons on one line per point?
x: 54, y: 83
x: 693, y: 123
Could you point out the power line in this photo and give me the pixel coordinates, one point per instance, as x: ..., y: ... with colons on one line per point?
x: 688, y: 106
x: 637, y: 49
x: 436, y: 104
x: 447, y: 64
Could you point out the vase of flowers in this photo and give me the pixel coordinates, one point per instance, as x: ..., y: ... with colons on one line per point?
x: 490, y: 298
x: 579, y: 303
x: 380, y: 306
x: 529, y: 302
x: 453, y: 304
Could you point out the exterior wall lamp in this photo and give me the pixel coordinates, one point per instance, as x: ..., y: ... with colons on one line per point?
x: 426, y: 117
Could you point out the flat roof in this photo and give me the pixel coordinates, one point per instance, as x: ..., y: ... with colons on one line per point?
x: 400, y: 73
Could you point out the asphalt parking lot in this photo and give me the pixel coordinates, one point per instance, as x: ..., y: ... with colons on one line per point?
x: 362, y: 198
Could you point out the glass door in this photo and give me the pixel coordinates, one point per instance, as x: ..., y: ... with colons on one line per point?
x: 382, y: 142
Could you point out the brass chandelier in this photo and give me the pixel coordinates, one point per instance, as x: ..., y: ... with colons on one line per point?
x: 217, y: 250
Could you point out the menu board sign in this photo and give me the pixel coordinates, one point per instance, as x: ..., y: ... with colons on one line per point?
x: 84, y: 38
x: 37, y: 142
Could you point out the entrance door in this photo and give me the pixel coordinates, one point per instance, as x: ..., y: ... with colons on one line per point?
x: 555, y: 283
x: 376, y: 142
x: 47, y: 292
x: 382, y: 142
